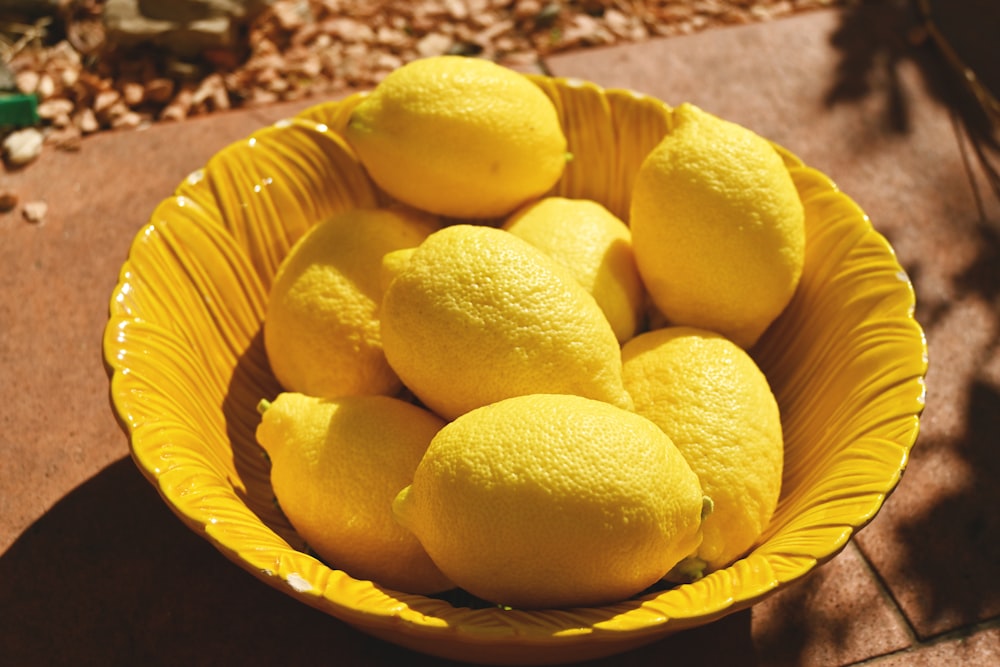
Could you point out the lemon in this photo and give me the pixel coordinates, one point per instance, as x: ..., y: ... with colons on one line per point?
x: 717, y: 226
x: 549, y: 500
x: 461, y: 137
x: 595, y: 245
x: 336, y: 466
x: 321, y: 329
x: 710, y: 397
x: 477, y: 315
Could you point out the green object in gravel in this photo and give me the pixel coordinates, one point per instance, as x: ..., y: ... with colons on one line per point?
x: 18, y: 110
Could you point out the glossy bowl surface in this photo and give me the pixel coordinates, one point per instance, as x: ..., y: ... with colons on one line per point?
x: 185, y: 356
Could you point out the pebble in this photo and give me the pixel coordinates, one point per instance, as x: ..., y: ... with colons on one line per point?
x: 35, y: 211
x: 22, y: 147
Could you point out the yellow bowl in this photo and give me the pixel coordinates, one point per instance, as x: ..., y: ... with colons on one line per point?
x: 187, y: 365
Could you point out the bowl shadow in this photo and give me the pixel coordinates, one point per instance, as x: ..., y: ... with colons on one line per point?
x: 110, y: 576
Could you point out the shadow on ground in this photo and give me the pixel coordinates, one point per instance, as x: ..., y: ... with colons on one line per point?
x: 946, y: 574
x: 955, y: 544
x: 109, y: 576
x: 874, y: 38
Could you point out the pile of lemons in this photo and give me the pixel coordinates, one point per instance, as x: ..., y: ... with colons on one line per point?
x: 554, y: 410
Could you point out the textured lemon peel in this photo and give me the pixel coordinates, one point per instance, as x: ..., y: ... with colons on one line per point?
x: 479, y: 315
x: 483, y: 475
x: 336, y: 463
x: 718, y: 226
x: 422, y: 132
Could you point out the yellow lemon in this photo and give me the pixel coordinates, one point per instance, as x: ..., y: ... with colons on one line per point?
x: 336, y: 466
x: 709, y: 396
x: 321, y: 329
x: 476, y: 315
x: 461, y: 137
x: 718, y: 227
x: 553, y: 501
x: 595, y: 245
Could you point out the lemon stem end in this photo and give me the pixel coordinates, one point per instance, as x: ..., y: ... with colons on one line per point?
x: 687, y: 571
x: 707, y: 507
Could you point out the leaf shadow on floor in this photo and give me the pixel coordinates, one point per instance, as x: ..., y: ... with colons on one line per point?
x: 942, y: 569
x: 875, y: 37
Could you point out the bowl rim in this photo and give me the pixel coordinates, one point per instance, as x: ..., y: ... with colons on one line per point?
x: 408, y: 619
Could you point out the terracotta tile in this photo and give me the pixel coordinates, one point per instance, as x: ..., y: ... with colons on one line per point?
x: 94, y: 568
x: 848, y: 94
x: 981, y: 648
x: 937, y: 540
x: 57, y: 429
x: 126, y: 583
x: 815, y: 621
x: 108, y: 576
x: 881, y: 133
x: 273, y: 113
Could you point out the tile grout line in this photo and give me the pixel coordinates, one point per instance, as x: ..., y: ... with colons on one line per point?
x: 886, y: 592
x: 917, y: 643
x: 962, y: 140
x: 964, y: 631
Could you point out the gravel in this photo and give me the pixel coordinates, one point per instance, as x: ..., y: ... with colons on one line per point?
x: 303, y: 48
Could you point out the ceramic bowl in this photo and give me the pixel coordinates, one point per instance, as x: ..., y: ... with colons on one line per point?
x: 187, y: 367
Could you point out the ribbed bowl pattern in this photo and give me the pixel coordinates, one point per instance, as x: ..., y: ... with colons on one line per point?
x: 187, y: 368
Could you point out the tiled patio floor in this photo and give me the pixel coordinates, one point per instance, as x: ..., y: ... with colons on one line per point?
x: 94, y: 569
